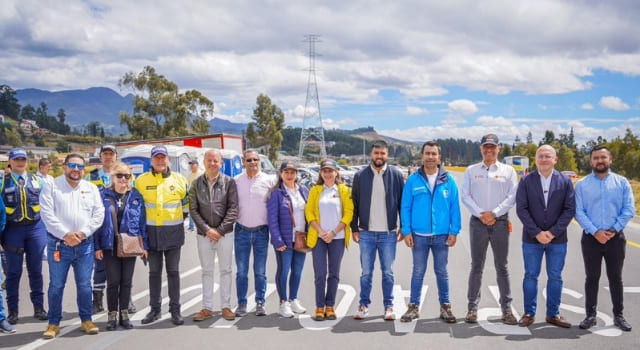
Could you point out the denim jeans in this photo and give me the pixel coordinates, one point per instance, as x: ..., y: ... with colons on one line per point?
x: 438, y: 246
x: 32, y: 239
x: 289, y: 261
x: 244, y: 239
x: 80, y: 258
x: 384, y: 243
x: 327, y: 255
x: 554, y: 256
x: 3, y: 315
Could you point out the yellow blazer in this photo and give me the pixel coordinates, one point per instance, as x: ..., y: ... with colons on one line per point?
x: 312, y: 212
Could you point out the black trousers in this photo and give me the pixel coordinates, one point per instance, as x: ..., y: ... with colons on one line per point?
x: 613, y: 253
x: 119, y: 280
x: 171, y: 259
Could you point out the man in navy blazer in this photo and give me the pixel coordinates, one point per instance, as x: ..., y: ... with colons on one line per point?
x: 545, y: 204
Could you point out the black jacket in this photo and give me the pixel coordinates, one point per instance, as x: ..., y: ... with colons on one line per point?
x: 361, y: 195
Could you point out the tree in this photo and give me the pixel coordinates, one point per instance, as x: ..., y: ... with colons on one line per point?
x: 548, y: 138
x: 9, y: 105
x: 266, y: 131
x: 159, y: 108
x: 28, y: 112
x: 62, y: 146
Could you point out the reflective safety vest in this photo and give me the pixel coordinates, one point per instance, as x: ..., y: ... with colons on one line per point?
x: 22, y: 202
x: 165, y: 197
x: 99, y: 178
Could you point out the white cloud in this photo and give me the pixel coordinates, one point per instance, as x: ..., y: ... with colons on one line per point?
x: 462, y: 107
x: 587, y: 106
x: 412, y: 110
x: 614, y: 103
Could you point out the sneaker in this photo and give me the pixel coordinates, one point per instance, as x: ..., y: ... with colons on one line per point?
x: 472, y: 316
x: 5, y: 327
x: 297, y: 307
x: 89, y: 327
x: 389, y: 315
x: 131, y: 308
x: 51, y: 332
x: 412, y: 313
x: 362, y: 312
x: 260, y: 311
x: 508, y: 318
x: 12, y: 318
x: 446, y: 314
x: 588, y: 322
x: 40, y: 314
x: 330, y: 313
x: 241, y: 310
x: 285, y: 309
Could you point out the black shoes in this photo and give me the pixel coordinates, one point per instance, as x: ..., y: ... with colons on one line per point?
x: 621, y: 323
x: 588, y: 322
x: 176, y: 318
x: 12, y: 318
x: 153, y: 315
x: 40, y: 314
x: 124, y: 319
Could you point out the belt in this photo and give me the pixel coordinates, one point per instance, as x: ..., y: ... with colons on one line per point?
x: 251, y: 229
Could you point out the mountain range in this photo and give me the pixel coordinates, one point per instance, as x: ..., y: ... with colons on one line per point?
x: 99, y: 104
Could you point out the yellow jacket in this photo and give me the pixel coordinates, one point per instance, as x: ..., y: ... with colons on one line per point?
x: 165, y: 197
x: 312, y: 212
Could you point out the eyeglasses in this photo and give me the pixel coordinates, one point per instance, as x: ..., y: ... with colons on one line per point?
x: 126, y: 176
x: 75, y: 166
x: 251, y: 160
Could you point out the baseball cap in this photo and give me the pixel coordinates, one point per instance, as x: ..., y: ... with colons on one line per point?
x: 159, y: 149
x: 328, y: 163
x: 288, y: 165
x: 193, y: 161
x: 16, y: 153
x: 111, y: 148
x: 490, y: 139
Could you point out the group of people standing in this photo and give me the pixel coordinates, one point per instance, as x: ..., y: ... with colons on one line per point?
x: 78, y: 223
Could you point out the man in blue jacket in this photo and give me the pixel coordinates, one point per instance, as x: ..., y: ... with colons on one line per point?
x: 545, y: 204
x: 376, y: 192
x: 430, y: 216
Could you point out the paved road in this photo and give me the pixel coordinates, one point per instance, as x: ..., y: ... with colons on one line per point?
x: 274, y: 332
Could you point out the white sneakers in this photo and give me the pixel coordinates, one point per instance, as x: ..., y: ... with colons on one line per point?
x: 297, y: 307
x: 285, y: 309
x: 362, y: 312
x: 388, y: 314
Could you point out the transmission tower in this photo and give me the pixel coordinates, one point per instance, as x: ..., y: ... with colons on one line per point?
x: 312, y: 130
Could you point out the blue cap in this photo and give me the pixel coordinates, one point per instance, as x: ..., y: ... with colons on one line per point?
x: 18, y: 153
x: 159, y: 149
x: 289, y: 165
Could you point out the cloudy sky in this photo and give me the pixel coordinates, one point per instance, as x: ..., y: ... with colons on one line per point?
x: 414, y: 70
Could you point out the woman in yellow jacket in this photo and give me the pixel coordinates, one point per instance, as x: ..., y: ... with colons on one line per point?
x: 329, y: 212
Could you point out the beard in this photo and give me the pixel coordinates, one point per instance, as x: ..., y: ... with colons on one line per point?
x: 379, y: 163
x: 74, y: 176
x: 600, y: 170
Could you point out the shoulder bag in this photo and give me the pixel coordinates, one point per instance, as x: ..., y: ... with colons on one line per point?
x: 299, y: 237
x: 128, y: 246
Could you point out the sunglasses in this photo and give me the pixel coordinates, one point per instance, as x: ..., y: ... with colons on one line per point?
x: 251, y: 160
x: 126, y: 176
x: 75, y: 166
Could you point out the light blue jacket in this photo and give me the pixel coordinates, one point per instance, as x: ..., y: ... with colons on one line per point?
x: 424, y: 212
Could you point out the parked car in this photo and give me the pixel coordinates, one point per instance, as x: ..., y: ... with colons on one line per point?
x: 307, y: 177
x: 571, y: 174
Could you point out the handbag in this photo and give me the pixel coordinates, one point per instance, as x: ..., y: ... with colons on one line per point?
x: 127, y: 246
x: 299, y: 237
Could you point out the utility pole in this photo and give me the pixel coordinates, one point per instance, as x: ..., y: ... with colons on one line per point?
x: 312, y: 131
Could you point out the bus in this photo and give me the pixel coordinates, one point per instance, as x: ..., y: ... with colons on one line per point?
x: 519, y: 163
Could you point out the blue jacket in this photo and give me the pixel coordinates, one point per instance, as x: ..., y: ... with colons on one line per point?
x: 361, y: 196
x: 555, y: 217
x: 424, y: 212
x: 279, y: 218
x: 3, y: 218
x: 133, y: 220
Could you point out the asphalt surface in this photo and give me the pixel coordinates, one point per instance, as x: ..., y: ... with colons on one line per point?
x: 275, y: 332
